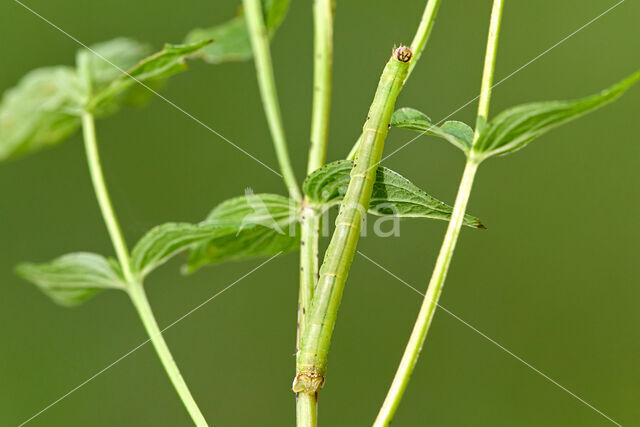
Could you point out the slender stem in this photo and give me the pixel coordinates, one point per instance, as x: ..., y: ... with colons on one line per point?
x: 425, y: 316
x: 134, y: 288
x: 266, y: 81
x: 322, y: 63
x: 489, y: 66
x: 306, y: 403
x: 104, y: 201
x: 141, y: 303
x: 423, y: 32
x: 354, y: 149
x: 307, y: 409
x: 417, y: 46
x: 421, y: 327
x: 310, y: 229
x: 312, y: 356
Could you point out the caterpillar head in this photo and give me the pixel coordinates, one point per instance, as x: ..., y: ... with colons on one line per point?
x: 403, y: 53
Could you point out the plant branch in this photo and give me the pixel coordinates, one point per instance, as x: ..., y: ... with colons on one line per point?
x: 134, y: 287
x: 425, y: 316
x: 310, y: 230
x: 307, y: 403
x: 141, y: 303
x: 307, y: 409
x: 417, y: 46
x: 421, y: 326
x: 423, y: 32
x: 312, y: 356
x: 489, y: 66
x: 104, y: 201
x: 266, y: 81
x: 322, y: 63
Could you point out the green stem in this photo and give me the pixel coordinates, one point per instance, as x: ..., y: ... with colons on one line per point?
x: 489, y: 66
x: 264, y: 70
x: 417, y: 46
x: 134, y: 288
x: 425, y: 316
x: 322, y: 63
x: 307, y: 409
x: 412, y: 351
x: 104, y: 201
x: 310, y: 230
x: 141, y: 303
x: 306, y: 403
x: 312, y: 355
x: 423, y: 32
x: 354, y: 149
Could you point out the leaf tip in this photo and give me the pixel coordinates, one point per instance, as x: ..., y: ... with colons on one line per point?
x: 22, y: 270
x: 187, y: 270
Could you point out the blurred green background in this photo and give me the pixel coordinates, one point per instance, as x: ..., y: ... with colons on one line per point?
x: 554, y: 279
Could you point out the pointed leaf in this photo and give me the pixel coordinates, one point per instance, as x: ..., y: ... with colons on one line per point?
x: 274, y: 12
x: 231, y: 39
x: 457, y: 133
x: 105, y: 59
x: 516, y: 127
x: 105, y: 62
x: 166, y: 240
x: 167, y: 62
x: 268, y: 225
x: 42, y: 110
x: 73, y: 278
x: 393, y: 195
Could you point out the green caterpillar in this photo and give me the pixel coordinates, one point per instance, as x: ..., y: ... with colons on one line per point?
x: 312, y: 355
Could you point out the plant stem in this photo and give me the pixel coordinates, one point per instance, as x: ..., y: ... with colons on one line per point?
x: 322, y: 63
x: 141, y: 303
x: 312, y: 356
x: 412, y: 351
x: 417, y: 46
x: 354, y: 149
x: 310, y: 228
x: 425, y: 316
x: 423, y: 32
x: 266, y: 81
x: 307, y: 409
x: 306, y: 403
x: 104, y: 201
x: 489, y: 66
x: 134, y: 287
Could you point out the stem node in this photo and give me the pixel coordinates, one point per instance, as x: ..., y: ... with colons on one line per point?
x: 309, y: 381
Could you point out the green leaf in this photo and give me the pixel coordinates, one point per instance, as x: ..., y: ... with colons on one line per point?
x: 105, y: 60
x: 393, y: 195
x: 516, y: 127
x: 268, y: 224
x: 167, y: 62
x: 274, y: 12
x: 457, y: 133
x: 73, y: 278
x: 42, y: 110
x: 166, y: 240
x: 231, y: 39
